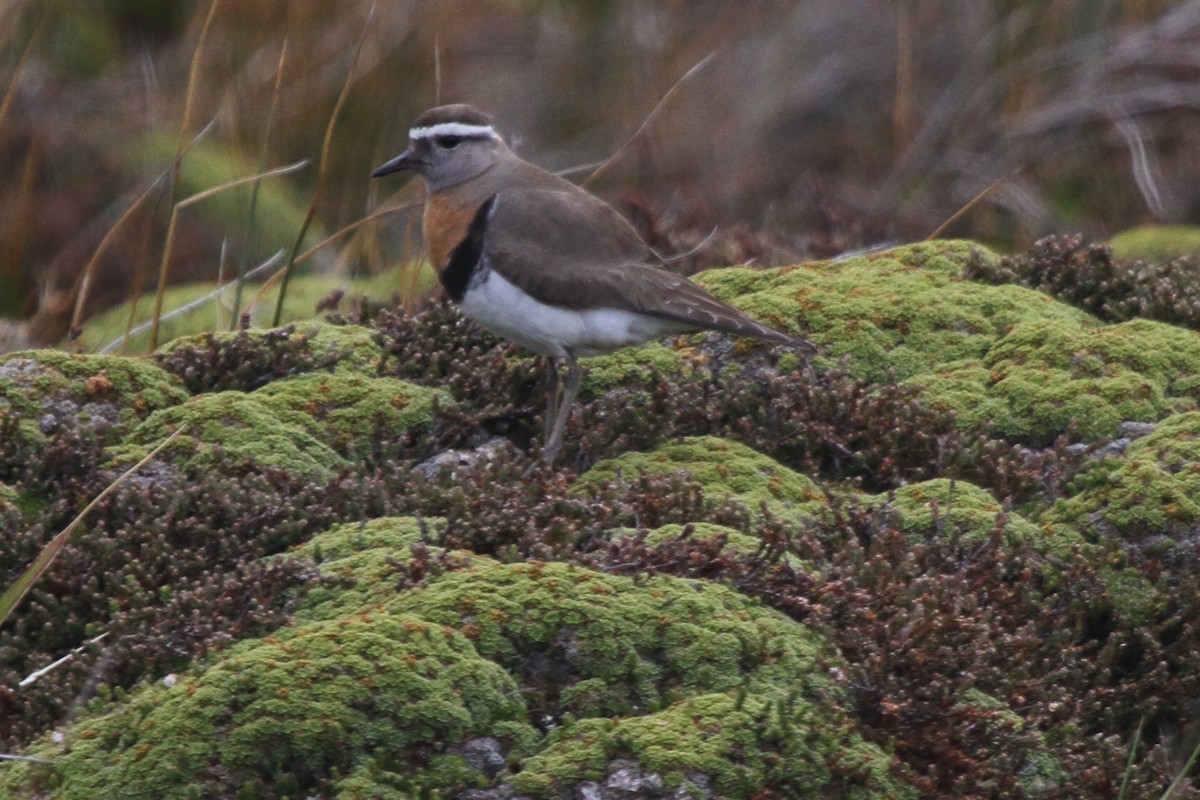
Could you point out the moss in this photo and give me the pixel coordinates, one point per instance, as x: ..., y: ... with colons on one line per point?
x: 944, y: 255
x: 756, y: 747
x: 1156, y: 243
x: 961, y: 507
x: 361, y: 563
x: 277, y: 716
x: 724, y: 468
x: 965, y: 388
x: 1163, y: 354
x: 380, y: 696
x: 1041, y: 773
x: 232, y: 431
x: 1047, y: 378
x: 342, y: 543
x: 356, y: 347
x: 45, y: 389
x: 1151, y: 489
x: 383, y: 778
x: 351, y: 410
x: 10, y: 498
x: 904, y: 311
x: 350, y: 348
x: 612, y: 645
x: 739, y: 542
x: 735, y: 542
x: 633, y: 365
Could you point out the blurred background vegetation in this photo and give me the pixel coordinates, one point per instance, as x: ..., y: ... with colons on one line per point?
x: 815, y: 126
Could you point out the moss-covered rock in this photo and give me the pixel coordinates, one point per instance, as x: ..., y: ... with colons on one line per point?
x: 724, y: 468
x: 944, y: 507
x: 706, y: 685
x: 232, y: 431
x: 350, y: 411
x: 401, y: 668
x: 279, y: 716
x: 1047, y: 378
x: 1042, y: 773
x: 633, y: 366
x: 45, y: 390
x: 717, y: 745
x: 589, y: 644
x: 258, y: 355
x: 1156, y: 243
x: 1152, y: 490
x: 904, y: 311
x: 359, y: 563
x: 737, y: 541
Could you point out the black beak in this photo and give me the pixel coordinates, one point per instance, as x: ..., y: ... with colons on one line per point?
x: 405, y: 160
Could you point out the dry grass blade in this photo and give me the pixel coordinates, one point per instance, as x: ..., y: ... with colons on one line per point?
x: 188, y: 104
x: 608, y: 162
x: 1141, y: 163
x: 233, y: 184
x: 310, y: 252
x: 940, y: 229
x: 14, y: 238
x: 85, y: 280
x: 169, y: 244
x: 139, y: 278
x: 25, y: 56
x: 30, y: 759
x: 33, y: 677
x: 322, y: 167
x: 902, y: 107
x: 1133, y: 746
x: 437, y: 71
x: 1182, y: 775
x: 193, y: 74
x: 133, y: 330
x: 17, y: 591
x: 333, y: 237
x: 248, y: 233
x: 411, y: 277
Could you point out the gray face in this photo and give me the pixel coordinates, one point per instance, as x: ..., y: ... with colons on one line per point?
x: 447, y: 154
x: 447, y: 159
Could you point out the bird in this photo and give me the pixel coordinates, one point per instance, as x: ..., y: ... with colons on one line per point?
x: 544, y: 263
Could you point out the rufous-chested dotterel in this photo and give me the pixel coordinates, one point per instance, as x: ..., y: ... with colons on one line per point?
x: 540, y: 261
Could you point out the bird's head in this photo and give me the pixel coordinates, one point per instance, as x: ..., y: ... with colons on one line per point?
x: 448, y: 145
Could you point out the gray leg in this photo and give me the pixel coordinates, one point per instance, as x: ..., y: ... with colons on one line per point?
x: 554, y: 441
x: 553, y: 390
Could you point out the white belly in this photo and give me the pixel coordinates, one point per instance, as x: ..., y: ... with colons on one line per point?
x: 507, y: 311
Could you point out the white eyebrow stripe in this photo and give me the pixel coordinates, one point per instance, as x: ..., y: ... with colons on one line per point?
x: 452, y: 129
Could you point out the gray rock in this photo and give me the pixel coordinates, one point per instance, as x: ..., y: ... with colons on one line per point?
x: 1135, y: 430
x: 459, y: 461
x: 485, y: 754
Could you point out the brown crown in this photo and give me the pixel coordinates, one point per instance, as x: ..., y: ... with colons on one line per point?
x: 458, y: 112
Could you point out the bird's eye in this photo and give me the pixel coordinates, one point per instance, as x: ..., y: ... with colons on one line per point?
x: 449, y: 142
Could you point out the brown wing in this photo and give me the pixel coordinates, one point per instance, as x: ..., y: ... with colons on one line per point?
x: 564, y: 246
x: 665, y: 295
x: 551, y: 230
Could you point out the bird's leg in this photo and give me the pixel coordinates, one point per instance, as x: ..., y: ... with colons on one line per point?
x: 554, y: 441
x: 553, y: 391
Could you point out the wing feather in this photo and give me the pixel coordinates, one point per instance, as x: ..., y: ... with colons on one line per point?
x: 568, y: 248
